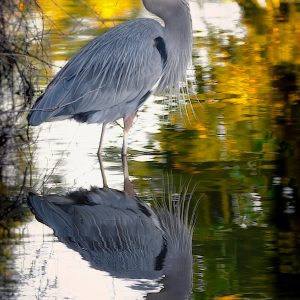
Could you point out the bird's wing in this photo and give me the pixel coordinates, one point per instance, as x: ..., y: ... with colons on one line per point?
x: 119, y: 67
x: 116, y: 237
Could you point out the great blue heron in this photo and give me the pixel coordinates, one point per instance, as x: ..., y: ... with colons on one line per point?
x: 116, y: 232
x: 112, y: 76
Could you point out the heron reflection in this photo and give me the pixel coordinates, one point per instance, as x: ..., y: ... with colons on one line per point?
x: 118, y: 233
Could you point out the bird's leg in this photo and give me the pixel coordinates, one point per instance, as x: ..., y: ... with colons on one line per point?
x: 101, y: 140
x: 128, y: 121
x: 128, y: 186
x: 105, y: 185
x: 99, y: 154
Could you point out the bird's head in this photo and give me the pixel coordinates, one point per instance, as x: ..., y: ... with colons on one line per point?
x: 165, y: 9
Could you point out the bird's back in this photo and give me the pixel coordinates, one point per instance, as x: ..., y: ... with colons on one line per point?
x: 112, y: 230
x: 108, y: 78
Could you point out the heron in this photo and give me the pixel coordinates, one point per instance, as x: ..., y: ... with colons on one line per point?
x: 112, y: 76
x: 118, y: 233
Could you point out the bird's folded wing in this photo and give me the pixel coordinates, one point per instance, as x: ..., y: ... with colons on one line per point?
x: 118, y: 67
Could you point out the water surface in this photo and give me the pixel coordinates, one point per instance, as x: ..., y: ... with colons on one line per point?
x: 236, y: 146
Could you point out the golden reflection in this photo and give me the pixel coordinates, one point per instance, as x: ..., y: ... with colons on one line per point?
x: 71, y: 24
x: 229, y: 297
x: 238, y: 84
x: 244, y: 77
x: 113, y: 9
x: 57, y: 12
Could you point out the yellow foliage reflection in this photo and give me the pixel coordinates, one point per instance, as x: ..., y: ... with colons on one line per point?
x: 246, y: 75
x: 58, y: 11
x: 70, y: 24
x: 113, y: 9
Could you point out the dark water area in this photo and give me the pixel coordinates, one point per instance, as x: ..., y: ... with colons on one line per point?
x: 232, y: 152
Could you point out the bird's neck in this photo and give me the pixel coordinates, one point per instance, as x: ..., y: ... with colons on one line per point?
x: 178, y: 38
x: 178, y: 28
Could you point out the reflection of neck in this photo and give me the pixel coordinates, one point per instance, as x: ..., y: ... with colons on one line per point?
x: 178, y: 264
x: 177, y: 286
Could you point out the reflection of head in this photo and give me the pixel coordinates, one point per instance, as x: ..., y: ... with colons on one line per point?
x: 119, y: 234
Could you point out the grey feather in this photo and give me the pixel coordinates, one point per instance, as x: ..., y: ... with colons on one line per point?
x: 113, y: 75
x: 119, y: 234
x: 102, y: 78
x: 107, y: 227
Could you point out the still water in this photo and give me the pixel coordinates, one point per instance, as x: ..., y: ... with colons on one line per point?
x: 233, y: 150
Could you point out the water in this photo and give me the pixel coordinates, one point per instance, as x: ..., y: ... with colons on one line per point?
x: 236, y: 147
